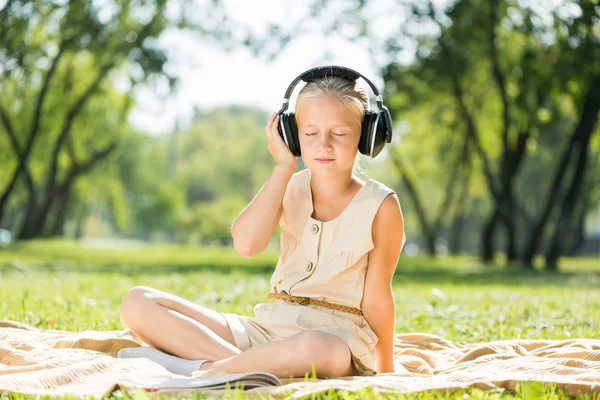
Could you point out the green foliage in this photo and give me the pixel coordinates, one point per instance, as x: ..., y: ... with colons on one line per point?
x: 224, y: 152
x: 57, y: 97
x: 223, y: 161
x: 547, y: 60
x: 62, y: 60
x: 189, y: 184
x: 213, y: 219
x: 157, y: 206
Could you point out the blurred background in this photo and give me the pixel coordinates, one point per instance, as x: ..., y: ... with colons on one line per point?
x: 127, y: 124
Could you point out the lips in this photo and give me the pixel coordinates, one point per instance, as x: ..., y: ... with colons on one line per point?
x: 324, y: 160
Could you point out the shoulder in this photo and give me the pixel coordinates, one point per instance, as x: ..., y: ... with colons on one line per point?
x: 390, y: 211
x: 298, y: 178
x: 295, y: 191
x: 388, y: 224
x: 296, y: 183
x: 380, y: 188
x: 302, y: 174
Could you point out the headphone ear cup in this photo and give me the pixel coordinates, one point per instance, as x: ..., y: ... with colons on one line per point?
x: 289, y: 132
x: 294, y: 134
x: 380, y: 130
x: 364, y: 144
x: 372, y: 134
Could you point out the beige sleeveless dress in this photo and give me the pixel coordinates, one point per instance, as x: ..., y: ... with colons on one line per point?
x: 323, y: 260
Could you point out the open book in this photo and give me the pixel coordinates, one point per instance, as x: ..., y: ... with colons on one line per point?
x: 245, y: 380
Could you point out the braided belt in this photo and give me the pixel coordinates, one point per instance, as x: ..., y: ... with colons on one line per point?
x: 310, y: 301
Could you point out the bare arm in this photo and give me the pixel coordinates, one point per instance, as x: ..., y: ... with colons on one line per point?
x: 378, y: 303
x: 255, y: 225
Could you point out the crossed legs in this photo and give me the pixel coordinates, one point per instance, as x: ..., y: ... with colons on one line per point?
x: 179, y: 327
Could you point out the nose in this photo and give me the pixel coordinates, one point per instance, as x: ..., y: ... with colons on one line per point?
x: 324, y: 143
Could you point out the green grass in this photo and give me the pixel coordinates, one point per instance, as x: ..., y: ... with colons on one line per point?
x: 64, y: 286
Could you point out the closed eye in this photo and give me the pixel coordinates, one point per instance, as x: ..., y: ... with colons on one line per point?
x: 312, y: 134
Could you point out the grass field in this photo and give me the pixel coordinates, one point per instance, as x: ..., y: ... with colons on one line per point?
x: 64, y: 285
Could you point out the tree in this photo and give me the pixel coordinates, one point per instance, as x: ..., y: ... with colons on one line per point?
x: 68, y: 52
x: 469, y: 48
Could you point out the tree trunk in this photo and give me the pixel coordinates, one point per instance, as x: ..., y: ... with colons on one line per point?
x: 585, y: 128
x: 458, y: 222
x: 487, y: 243
x: 512, y: 252
x: 511, y: 239
x: 36, y: 221
x: 565, y: 221
x: 500, y: 216
x: 80, y: 221
x: 30, y: 211
x: 11, y: 218
x: 579, y: 231
x: 456, y: 232
x: 23, y: 154
x: 58, y: 227
x: 426, y: 231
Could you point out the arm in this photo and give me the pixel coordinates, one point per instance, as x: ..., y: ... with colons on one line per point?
x: 378, y: 300
x: 254, y: 226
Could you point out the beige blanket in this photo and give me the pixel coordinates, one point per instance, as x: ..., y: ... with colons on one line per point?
x: 34, y: 361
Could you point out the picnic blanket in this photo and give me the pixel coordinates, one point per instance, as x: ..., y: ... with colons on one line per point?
x: 53, y: 362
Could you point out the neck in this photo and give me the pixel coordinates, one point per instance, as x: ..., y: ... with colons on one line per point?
x: 330, y: 188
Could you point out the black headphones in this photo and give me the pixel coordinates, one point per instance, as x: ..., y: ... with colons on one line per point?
x: 376, y: 128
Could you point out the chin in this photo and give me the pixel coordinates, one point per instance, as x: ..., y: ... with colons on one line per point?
x: 331, y: 169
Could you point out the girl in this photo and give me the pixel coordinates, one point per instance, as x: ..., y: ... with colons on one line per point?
x: 332, y: 315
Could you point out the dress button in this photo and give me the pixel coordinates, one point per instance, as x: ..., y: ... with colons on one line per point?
x: 309, y: 266
x: 314, y: 228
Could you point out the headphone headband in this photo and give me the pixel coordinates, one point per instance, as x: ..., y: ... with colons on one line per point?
x: 329, y: 70
x: 344, y: 72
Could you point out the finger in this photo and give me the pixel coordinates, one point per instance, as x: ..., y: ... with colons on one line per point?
x: 270, y: 121
x: 268, y: 127
x: 274, y: 126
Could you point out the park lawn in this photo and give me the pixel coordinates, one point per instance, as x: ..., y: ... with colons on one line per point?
x: 60, y: 285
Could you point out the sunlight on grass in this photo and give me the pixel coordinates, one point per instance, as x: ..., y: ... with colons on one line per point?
x: 62, y: 285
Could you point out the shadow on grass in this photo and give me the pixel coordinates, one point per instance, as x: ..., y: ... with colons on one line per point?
x: 133, y: 270
x: 413, y: 274
x: 499, y: 277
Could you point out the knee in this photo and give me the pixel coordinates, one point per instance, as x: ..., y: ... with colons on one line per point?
x: 133, y: 304
x: 327, y: 352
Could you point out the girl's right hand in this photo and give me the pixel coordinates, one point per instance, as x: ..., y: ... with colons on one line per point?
x: 279, y: 150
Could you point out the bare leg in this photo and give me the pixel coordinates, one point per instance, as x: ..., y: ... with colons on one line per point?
x: 294, y: 357
x: 187, y: 330
x: 177, y: 326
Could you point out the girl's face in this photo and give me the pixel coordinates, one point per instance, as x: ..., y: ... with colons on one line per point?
x: 329, y: 133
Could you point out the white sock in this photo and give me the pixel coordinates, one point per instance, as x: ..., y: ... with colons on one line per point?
x: 173, y: 364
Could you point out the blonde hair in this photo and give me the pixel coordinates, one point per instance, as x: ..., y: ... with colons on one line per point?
x: 346, y: 91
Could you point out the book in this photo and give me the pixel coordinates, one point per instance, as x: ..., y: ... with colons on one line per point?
x: 245, y: 380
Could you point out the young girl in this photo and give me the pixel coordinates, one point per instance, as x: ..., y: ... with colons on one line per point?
x: 340, y: 243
